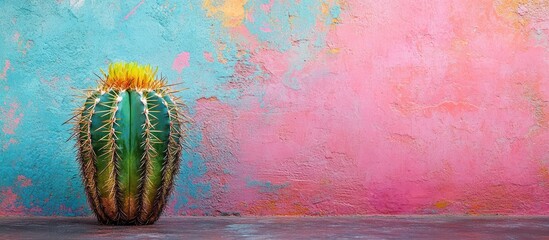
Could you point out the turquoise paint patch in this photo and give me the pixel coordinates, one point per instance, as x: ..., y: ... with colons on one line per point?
x: 266, y: 186
x: 335, y: 11
x: 288, y: 22
x: 292, y: 27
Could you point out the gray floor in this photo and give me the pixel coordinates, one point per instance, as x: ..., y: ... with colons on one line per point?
x: 353, y: 227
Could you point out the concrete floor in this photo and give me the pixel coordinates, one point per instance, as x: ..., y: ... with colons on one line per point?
x: 352, y: 227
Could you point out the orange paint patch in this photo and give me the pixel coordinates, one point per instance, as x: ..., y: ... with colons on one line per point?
x: 283, y: 202
x: 499, y: 199
x: 442, y: 204
x: 262, y: 207
x: 279, y: 207
x: 544, y: 173
x: 508, y: 10
x: 208, y: 99
x: 522, y: 13
x: 334, y: 50
x: 230, y: 12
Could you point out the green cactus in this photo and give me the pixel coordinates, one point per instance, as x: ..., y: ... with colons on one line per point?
x: 129, y: 137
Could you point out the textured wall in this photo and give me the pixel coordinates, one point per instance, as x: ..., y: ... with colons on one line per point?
x: 300, y: 106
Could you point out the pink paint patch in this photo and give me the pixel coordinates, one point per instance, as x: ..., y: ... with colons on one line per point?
x: 23, y: 181
x: 133, y: 10
x: 181, y: 61
x: 11, y: 119
x: 250, y: 16
x: 10, y: 142
x: 267, y: 7
x: 51, y: 82
x: 208, y: 57
x: 16, y: 36
x: 265, y: 29
x: 8, y: 203
x: 5, y: 70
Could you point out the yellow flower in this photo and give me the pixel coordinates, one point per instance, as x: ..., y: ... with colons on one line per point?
x: 131, y: 76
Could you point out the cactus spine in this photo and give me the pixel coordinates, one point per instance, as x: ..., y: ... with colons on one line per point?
x: 129, y: 137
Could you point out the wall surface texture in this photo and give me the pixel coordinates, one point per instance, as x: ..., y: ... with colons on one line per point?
x: 300, y: 107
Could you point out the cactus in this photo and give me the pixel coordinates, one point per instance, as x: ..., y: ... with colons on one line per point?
x: 129, y: 135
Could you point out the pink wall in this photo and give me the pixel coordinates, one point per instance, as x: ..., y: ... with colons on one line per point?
x: 412, y: 107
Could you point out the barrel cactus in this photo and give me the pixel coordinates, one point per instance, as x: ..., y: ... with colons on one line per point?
x: 129, y: 135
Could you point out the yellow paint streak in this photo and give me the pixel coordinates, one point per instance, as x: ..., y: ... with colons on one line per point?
x: 291, y: 20
x: 325, y: 8
x: 221, y: 46
x: 230, y: 12
x: 325, y: 11
x: 130, y: 76
x: 334, y: 50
